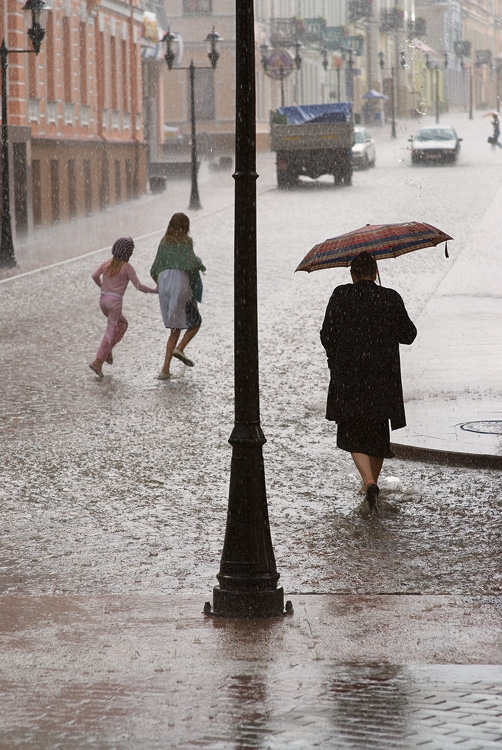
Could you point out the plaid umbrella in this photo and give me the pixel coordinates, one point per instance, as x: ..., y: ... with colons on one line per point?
x: 381, y: 240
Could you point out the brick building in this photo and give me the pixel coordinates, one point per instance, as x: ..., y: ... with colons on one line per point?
x: 75, y: 117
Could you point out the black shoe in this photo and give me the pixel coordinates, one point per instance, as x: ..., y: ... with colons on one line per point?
x: 372, y: 492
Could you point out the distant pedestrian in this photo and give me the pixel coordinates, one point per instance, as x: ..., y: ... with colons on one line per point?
x: 496, y: 132
x: 176, y: 269
x: 112, y: 277
x: 362, y: 329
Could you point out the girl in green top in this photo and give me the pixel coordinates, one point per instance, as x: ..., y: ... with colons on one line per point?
x: 176, y: 270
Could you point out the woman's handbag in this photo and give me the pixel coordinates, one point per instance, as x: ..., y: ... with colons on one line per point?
x: 492, y: 140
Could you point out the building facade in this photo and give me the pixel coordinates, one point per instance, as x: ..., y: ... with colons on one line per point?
x: 75, y: 110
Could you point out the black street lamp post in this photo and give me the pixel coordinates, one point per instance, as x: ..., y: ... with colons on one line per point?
x: 38, y: 10
x: 381, y: 62
x: 248, y: 575
x: 212, y: 38
x: 470, y: 93
x: 324, y: 53
x: 350, y: 81
x: 498, y: 73
x: 435, y: 66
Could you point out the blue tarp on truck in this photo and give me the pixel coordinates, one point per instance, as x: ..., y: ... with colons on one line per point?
x: 298, y: 115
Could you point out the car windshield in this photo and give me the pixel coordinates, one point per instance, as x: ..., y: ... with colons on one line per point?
x: 358, y: 137
x: 443, y: 134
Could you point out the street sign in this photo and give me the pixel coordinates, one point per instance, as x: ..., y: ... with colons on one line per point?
x: 335, y: 37
x: 280, y: 64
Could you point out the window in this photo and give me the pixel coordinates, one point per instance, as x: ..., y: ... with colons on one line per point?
x: 197, y: 6
x: 129, y: 178
x: 87, y: 187
x: 72, y: 189
x: 36, y: 180
x: 118, y: 181
x: 54, y: 173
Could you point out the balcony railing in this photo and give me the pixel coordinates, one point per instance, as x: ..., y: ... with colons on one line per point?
x: 359, y: 9
x: 391, y: 19
x: 284, y: 32
x: 419, y: 28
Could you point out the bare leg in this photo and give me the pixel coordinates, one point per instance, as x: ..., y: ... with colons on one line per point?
x: 369, y: 467
x: 170, y: 347
x: 188, y: 336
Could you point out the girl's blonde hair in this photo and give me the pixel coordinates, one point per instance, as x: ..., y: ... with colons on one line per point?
x: 115, y: 267
x: 178, y: 228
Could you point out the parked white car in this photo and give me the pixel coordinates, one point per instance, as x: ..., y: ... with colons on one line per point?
x: 363, y: 150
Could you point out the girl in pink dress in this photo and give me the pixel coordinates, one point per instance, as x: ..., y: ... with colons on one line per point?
x: 112, y: 277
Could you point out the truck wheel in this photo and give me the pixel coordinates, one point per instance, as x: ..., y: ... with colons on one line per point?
x: 286, y: 178
x: 282, y: 181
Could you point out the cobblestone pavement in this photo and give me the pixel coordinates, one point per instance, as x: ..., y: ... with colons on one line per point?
x: 114, y: 502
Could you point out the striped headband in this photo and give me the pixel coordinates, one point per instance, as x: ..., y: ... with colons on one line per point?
x: 122, y: 248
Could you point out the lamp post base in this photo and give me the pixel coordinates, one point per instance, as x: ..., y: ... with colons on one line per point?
x: 7, y: 262
x: 248, y: 604
x: 195, y: 204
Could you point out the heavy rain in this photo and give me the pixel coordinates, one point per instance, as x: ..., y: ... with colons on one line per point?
x: 115, y: 490
x: 105, y: 482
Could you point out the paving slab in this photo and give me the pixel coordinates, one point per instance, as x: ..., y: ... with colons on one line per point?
x: 343, y: 671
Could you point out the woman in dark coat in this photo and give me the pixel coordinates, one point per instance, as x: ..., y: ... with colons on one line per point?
x: 362, y: 329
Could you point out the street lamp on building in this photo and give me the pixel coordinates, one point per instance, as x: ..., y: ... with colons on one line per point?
x: 437, y: 67
x: 381, y: 62
x: 248, y: 575
x: 462, y: 49
x: 338, y: 62
x: 213, y: 38
x: 36, y: 10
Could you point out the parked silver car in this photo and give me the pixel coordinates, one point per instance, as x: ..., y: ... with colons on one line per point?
x: 363, y: 150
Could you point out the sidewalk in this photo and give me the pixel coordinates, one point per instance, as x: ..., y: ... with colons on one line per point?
x: 453, y: 372
x: 152, y: 672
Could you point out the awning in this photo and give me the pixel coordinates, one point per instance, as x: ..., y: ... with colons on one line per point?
x: 372, y: 94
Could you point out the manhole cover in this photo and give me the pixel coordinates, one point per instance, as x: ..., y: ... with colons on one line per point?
x: 489, y: 427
